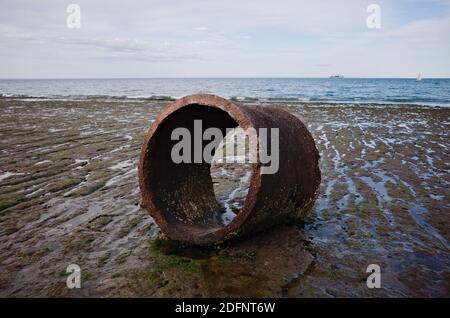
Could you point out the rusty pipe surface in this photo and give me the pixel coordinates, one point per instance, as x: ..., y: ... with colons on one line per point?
x: 180, y: 196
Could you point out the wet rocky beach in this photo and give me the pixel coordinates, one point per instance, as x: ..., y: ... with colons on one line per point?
x: 69, y: 195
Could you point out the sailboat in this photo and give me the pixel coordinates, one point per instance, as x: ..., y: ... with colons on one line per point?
x: 419, y: 77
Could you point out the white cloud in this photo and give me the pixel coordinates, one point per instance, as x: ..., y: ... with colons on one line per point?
x: 211, y: 38
x: 201, y: 29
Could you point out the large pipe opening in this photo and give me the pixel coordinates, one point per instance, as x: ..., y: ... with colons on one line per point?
x: 184, y: 192
x: 180, y: 196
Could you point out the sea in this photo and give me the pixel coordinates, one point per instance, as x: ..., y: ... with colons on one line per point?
x: 430, y: 92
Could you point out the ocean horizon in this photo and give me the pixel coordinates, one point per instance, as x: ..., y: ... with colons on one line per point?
x: 427, y: 92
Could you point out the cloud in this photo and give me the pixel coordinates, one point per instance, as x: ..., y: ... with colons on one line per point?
x: 110, y: 48
x: 228, y: 38
x: 201, y: 28
x: 424, y: 30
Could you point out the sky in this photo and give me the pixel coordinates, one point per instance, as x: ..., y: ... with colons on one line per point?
x: 209, y: 38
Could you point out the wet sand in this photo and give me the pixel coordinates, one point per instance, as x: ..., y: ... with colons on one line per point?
x: 69, y: 194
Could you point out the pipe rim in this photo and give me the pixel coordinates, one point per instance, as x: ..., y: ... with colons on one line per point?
x: 244, y: 121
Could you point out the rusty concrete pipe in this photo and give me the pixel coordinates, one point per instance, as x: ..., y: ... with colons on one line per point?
x: 180, y: 197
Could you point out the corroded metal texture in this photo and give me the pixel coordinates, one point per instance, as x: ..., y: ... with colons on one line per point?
x: 180, y: 197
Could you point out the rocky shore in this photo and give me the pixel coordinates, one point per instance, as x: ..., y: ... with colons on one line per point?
x: 69, y: 195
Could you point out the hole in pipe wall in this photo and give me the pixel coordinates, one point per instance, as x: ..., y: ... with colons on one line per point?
x: 231, y: 174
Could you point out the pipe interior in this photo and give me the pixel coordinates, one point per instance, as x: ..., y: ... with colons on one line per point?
x: 183, y: 193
